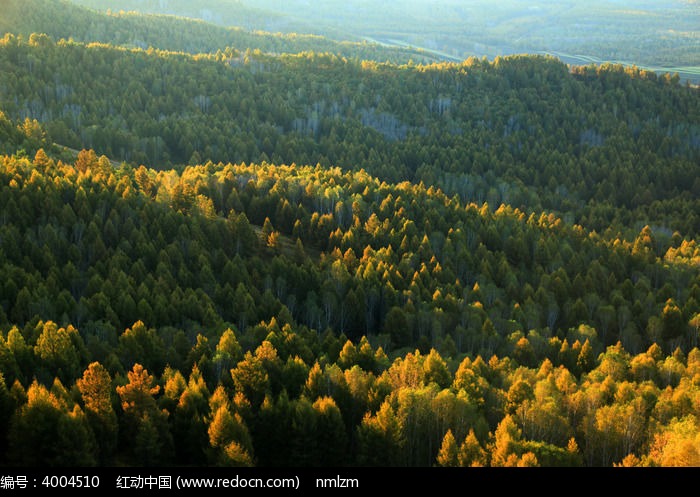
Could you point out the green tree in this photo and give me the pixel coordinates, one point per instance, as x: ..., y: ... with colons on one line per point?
x: 396, y: 325
x: 380, y: 439
x: 145, y: 438
x: 228, y: 353
x: 331, y: 434
x: 47, y: 432
x: 586, y: 359
x: 436, y: 370
x: 55, y: 348
x: 141, y: 345
x: 251, y: 378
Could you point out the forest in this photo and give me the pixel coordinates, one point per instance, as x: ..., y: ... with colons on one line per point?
x: 643, y: 32
x: 62, y: 19
x: 272, y: 256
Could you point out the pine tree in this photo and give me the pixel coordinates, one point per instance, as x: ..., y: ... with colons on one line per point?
x: 448, y: 456
x: 46, y: 432
x: 95, y: 389
x: 471, y: 453
x: 145, y: 439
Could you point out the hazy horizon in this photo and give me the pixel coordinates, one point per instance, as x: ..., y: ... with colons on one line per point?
x: 642, y: 32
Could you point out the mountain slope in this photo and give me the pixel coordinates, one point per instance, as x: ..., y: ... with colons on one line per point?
x: 62, y: 19
x: 144, y: 276
x: 641, y: 32
x: 605, y: 147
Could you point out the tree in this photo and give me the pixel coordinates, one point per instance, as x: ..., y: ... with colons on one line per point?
x: 145, y: 438
x: 230, y: 440
x: 448, y: 456
x: 8, y: 363
x: 396, y: 325
x: 528, y: 460
x: 267, y: 230
x: 348, y: 355
x: 471, y: 453
x: 586, y: 359
x: 189, y: 426
x: 331, y: 434
x: 303, y: 441
x: 55, y: 347
x: 519, y: 392
x: 614, y: 363
x: 644, y: 245
x: 270, y: 428
x: 414, y: 408
x: 436, y: 370
x: 380, y: 439
x: 175, y: 385
x: 294, y: 375
x: 612, y: 432
x: 678, y: 444
x: 251, y: 378
x: 46, y: 432
x: 243, y: 307
x: 673, y: 323
x: 87, y: 159
x: 142, y: 345
x: 42, y: 161
x: 506, y: 447
x: 95, y: 389
x: 228, y: 352
x: 694, y: 330
x: 470, y: 379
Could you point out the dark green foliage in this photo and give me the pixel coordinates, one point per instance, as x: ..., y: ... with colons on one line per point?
x: 545, y: 140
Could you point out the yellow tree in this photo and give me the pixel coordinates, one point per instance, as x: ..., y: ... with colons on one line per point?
x: 448, y: 456
x: 229, y: 439
x: 471, y: 453
x: 506, y: 444
x: 96, y: 391
x: 677, y: 444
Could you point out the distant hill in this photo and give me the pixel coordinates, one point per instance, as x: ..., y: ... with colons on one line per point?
x: 62, y: 19
x: 637, y: 32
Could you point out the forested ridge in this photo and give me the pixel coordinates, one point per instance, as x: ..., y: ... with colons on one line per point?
x: 313, y: 260
x: 63, y: 19
x: 645, y: 32
x: 607, y: 147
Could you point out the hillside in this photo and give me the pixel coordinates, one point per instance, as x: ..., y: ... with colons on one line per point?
x: 606, y: 148
x: 61, y: 19
x: 291, y: 258
x: 644, y: 33
x: 110, y: 271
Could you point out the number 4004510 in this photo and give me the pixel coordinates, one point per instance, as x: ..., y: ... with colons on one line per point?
x: 81, y: 481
